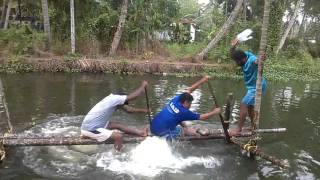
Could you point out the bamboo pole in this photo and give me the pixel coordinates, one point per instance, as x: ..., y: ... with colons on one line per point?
x: 148, y: 106
x: 258, y: 152
x: 224, y: 124
x: 58, y: 140
x: 228, y: 109
x: 265, y: 131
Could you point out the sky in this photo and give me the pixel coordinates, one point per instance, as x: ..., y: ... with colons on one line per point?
x: 203, y: 1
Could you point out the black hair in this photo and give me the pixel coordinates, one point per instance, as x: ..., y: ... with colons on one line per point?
x: 238, y: 55
x: 185, y: 97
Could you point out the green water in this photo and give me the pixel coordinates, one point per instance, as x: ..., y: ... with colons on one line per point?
x: 37, y: 99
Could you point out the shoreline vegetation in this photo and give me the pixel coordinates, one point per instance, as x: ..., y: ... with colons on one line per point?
x: 74, y: 63
x: 181, y: 38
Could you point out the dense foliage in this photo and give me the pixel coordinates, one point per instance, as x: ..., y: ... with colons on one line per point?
x: 164, y: 25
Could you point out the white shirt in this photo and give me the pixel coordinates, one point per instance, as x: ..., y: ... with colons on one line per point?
x: 99, y: 115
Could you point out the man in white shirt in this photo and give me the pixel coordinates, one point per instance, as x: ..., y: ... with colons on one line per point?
x: 97, y: 124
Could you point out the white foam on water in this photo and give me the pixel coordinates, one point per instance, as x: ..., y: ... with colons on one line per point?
x: 152, y: 157
x: 53, y: 161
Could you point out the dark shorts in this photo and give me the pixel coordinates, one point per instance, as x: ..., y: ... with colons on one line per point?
x: 172, y: 134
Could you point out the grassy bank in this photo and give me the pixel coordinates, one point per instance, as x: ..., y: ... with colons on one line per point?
x: 291, y: 64
x: 273, y: 70
x: 22, y: 50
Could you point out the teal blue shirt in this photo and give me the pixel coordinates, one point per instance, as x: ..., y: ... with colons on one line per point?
x: 250, y: 70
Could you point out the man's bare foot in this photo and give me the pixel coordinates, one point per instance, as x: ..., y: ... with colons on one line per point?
x: 118, y: 146
x: 188, y: 131
x: 144, y: 132
x: 203, y: 132
x: 117, y: 137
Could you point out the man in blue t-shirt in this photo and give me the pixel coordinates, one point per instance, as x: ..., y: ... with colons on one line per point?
x: 165, y: 123
x: 249, y: 66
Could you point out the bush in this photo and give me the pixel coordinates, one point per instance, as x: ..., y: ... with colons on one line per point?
x: 302, y: 68
x: 294, y: 48
x: 20, y: 41
x: 184, y: 50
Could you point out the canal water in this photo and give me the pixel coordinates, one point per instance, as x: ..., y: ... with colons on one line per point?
x: 56, y: 104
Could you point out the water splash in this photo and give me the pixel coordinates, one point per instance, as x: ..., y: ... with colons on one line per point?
x: 153, y: 157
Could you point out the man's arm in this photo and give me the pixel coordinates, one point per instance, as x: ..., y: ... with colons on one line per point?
x: 138, y: 91
x: 197, y: 84
x: 131, y: 109
x: 206, y: 116
x: 234, y: 44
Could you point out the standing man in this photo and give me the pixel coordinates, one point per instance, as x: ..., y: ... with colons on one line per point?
x: 165, y: 124
x: 97, y: 124
x: 249, y: 66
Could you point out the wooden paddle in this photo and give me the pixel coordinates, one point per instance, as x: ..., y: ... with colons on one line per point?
x: 224, y: 125
x: 148, y: 106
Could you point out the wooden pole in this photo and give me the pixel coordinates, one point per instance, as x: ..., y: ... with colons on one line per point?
x: 258, y: 152
x: 227, y: 113
x: 148, y: 106
x: 224, y: 124
x: 265, y: 131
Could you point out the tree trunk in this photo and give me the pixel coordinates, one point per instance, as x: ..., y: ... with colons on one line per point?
x: 291, y: 22
x: 262, y: 48
x: 223, y: 31
x: 6, y: 22
x: 19, y: 12
x: 118, y: 34
x: 3, y: 13
x: 73, y: 38
x: 46, y: 23
x: 302, y: 27
x: 244, y: 10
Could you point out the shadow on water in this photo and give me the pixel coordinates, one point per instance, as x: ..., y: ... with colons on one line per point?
x: 56, y: 103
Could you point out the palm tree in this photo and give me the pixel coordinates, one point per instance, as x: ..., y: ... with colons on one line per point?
x: 46, y: 22
x: 291, y: 22
x: 118, y: 34
x: 73, y: 38
x: 6, y: 22
x: 223, y: 31
x: 263, y: 45
x: 3, y: 13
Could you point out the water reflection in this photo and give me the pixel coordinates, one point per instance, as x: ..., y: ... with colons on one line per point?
x: 40, y: 98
